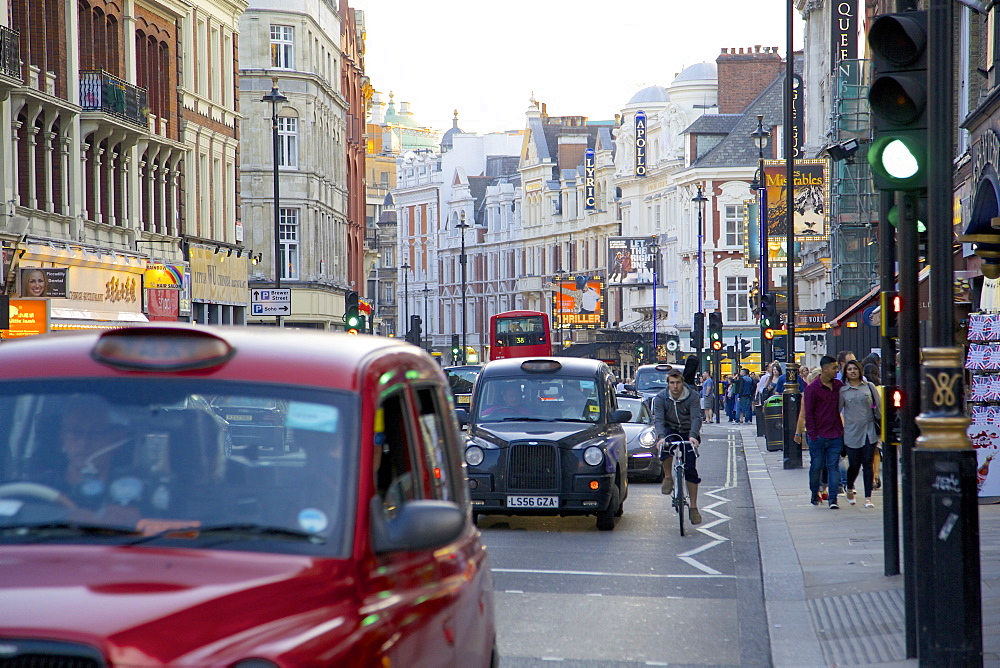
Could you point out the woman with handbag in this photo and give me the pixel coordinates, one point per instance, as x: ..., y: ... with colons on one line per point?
x: 873, y: 375
x: 861, y: 408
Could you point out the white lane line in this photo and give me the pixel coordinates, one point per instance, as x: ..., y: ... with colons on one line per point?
x: 514, y: 591
x: 539, y: 571
x: 700, y: 566
x: 712, y: 534
x: 700, y: 548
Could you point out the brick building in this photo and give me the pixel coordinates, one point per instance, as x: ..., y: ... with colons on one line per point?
x: 124, y: 150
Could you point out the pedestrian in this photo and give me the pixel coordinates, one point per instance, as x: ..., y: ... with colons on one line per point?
x: 825, y: 430
x: 861, y: 409
x: 874, y: 376
x: 731, y: 397
x: 843, y: 357
x: 708, y: 396
x: 744, y: 395
x: 676, y: 413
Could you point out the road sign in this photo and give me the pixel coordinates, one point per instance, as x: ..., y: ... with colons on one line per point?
x: 270, y: 295
x: 269, y: 301
x: 710, y: 304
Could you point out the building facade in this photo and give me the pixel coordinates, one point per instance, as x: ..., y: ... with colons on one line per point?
x: 297, y: 48
x: 123, y: 156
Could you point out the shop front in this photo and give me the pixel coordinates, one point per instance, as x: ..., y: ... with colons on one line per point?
x: 220, y: 293
x: 81, y: 288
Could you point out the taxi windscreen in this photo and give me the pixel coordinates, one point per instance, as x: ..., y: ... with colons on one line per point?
x: 536, y: 398
x: 167, y: 462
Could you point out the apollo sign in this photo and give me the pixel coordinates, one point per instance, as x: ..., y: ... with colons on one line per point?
x: 640, y: 143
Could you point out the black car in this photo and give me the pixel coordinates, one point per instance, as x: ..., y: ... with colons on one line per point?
x: 643, y: 459
x: 651, y: 378
x: 460, y: 380
x: 545, y: 437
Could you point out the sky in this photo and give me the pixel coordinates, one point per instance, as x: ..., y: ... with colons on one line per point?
x: 486, y: 58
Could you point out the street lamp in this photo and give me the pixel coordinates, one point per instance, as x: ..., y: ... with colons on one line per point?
x: 426, y: 327
x: 760, y: 137
x: 462, y: 225
x: 655, y: 250
x: 274, y: 97
x: 699, y: 201
x: 560, y: 276
x: 406, y: 301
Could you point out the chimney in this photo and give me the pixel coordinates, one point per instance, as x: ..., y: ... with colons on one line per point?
x: 744, y: 74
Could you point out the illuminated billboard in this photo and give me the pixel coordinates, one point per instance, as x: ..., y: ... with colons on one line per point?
x: 577, y: 302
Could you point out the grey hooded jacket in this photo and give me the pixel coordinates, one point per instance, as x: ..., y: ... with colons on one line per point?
x: 677, y: 416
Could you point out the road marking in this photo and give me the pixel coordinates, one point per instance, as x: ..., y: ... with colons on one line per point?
x: 538, y: 571
x: 700, y: 548
x: 700, y: 566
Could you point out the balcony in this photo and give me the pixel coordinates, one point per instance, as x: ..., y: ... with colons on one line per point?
x: 10, y: 53
x: 371, y: 239
x: 101, y: 91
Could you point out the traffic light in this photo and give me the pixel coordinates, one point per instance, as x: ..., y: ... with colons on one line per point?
x: 640, y: 353
x: 698, y: 331
x: 731, y: 352
x: 416, y: 334
x: 898, y: 101
x: 768, y: 315
x: 892, y: 403
x: 744, y: 348
x: 715, y: 330
x: 352, y: 319
x: 456, y: 347
x: 890, y: 306
x: 768, y: 334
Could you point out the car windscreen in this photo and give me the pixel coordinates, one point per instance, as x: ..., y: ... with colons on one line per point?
x: 636, y: 407
x: 650, y: 380
x: 461, y: 379
x: 545, y: 398
x: 156, y: 461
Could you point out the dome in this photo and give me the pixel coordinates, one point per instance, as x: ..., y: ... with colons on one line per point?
x: 448, y: 141
x: 650, y: 94
x: 698, y: 72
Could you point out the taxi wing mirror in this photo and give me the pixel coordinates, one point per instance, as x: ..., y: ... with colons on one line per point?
x: 418, y: 525
x: 621, y: 415
x: 463, y: 417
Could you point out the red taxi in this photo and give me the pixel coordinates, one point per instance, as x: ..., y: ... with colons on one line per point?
x: 133, y: 533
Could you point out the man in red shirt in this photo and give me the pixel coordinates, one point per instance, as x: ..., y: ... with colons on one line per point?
x: 824, y: 429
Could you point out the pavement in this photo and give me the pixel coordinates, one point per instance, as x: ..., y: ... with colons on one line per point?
x: 827, y: 599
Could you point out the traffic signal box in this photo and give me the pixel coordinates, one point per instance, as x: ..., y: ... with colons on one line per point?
x: 890, y: 306
x: 698, y: 331
x: 456, y: 347
x: 744, y: 348
x: 715, y: 330
x: 898, y: 101
x: 892, y: 404
x: 352, y: 317
x: 768, y: 315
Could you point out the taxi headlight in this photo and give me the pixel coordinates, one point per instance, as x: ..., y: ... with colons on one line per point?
x: 647, y: 438
x: 593, y: 456
x: 474, y: 455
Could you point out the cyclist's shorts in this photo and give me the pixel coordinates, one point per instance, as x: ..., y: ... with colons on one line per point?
x: 690, y: 461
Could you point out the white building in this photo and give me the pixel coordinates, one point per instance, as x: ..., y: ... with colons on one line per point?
x: 295, y: 45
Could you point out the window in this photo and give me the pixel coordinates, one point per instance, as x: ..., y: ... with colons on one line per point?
x: 288, y: 142
x: 396, y: 475
x: 734, y: 224
x: 282, y: 47
x: 288, y: 223
x: 432, y: 433
x: 737, y: 308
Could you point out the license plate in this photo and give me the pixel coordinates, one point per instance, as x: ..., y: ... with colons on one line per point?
x: 464, y: 398
x: 239, y: 418
x: 532, y: 501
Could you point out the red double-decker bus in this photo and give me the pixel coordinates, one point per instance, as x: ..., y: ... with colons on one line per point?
x: 520, y: 334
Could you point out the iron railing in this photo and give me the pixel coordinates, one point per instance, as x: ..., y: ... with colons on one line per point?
x: 10, y: 53
x: 101, y: 91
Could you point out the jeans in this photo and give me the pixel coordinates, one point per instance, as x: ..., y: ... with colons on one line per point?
x: 824, y: 453
x: 746, y: 410
x: 859, y: 458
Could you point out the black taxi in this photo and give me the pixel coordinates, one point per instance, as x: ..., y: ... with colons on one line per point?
x: 545, y: 437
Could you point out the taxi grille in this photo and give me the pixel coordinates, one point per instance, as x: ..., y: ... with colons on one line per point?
x: 533, y: 467
x: 30, y: 653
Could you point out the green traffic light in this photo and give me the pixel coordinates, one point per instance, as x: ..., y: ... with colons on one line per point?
x: 898, y: 161
x: 894, y: 220
x: 353, y: 321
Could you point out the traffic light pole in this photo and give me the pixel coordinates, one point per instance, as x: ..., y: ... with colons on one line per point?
x: 946, y: 511
x: 890, y: 473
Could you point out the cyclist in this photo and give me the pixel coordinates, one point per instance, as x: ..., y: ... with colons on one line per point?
x: 677, y: 412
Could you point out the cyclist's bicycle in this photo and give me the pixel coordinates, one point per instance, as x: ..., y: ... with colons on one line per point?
x: 675, y: 446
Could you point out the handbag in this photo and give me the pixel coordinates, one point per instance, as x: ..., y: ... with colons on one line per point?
x: 875, y: 415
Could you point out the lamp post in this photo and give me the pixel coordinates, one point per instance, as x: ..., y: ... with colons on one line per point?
x: 760, y: 137
x: 560, y: 275
x: 406, y: 299
x: 462, y: 225
x: 426, y: 326
x: 699, y: 201
x: 655, y: 249
x: 274, y: 97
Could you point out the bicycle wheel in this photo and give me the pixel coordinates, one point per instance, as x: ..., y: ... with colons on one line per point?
x: 680, y: 496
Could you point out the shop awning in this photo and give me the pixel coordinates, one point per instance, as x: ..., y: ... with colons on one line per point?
x: 61, y: 319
